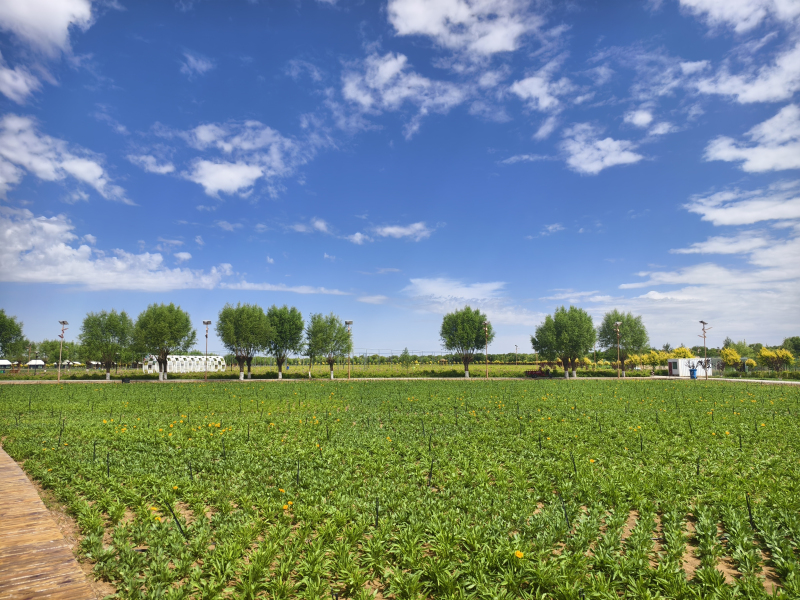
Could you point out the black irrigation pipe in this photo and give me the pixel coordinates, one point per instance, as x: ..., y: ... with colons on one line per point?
x: 186, y: 537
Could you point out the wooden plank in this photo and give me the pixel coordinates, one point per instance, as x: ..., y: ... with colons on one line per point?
x: 35, y: 560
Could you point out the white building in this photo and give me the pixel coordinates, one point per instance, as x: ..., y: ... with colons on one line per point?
x: 185, y: 364
x: 679, y: 367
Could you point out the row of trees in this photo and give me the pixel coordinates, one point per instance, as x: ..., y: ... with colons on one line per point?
x: 570, y: 335
x: 246, y: 331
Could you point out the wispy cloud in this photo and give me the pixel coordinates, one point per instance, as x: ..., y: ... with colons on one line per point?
x: 414, y: 231
x: 280, y: 287
x: 195, y: 64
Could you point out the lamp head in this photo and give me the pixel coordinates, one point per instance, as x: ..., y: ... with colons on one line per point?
x: 63, y: 323
x: 206, y: 323
x: 618, y: 323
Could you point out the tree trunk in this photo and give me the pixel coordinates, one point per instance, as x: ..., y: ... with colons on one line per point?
x: 249, y: 371
x: 574, y: 362
x: 330, y: 364
x: 280, y: 367
x: 465, y: 360
x: 241, y: 368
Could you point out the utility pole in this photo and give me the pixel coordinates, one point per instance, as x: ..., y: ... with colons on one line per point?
x: 705, y: 351
x: 350, y: 333
x: 205, y: 359
x: 486, y: 332
x: 617, y: 324
x: 516, y: 349
x: 61, y: 347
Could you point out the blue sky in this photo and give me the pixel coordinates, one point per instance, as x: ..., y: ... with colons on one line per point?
x: 392, y: 161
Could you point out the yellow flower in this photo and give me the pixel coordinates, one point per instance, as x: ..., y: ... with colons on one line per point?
x: 727, y: 433
x: 281, y: 491
x: 158, y: 519
x: 285, y: 507
x: 174, y: 487
x: 290, y: 502
x: 762, y: 425
x: 104, y: 421
x: 518, y: 554
x: 591, y: 460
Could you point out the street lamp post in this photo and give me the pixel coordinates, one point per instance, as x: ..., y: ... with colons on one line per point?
x: 516, y: 349
x: 61, y: 347
x: 486, y: 354
x: 205, y: 359
x: 616, y: 325
x: 705, y: 351
x: 349, y: 325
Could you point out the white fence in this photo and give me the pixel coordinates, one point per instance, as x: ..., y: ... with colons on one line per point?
x: 185, y: 364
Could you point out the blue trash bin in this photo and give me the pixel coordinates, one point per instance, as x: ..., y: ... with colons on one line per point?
x: 693, y: 373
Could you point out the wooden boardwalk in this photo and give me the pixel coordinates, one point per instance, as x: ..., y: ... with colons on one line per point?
x: 35, y: 560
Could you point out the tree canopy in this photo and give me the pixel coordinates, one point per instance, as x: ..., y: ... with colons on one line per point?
x: 792, y: 344
x: 327, y: 336
x: 633, y: 337
x: 287, y: 334
x: 11, y: 338
x: 163, y: 329
x: 244, y: 330
x: 104, y: 335
x: 569, y: 335
x: 463, y: 333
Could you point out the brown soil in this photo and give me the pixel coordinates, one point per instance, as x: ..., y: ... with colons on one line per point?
x: 71, y: 532
x: 725, y: 563
x: 690, y: 561
x: 657, y: 545
x: 630, y: 524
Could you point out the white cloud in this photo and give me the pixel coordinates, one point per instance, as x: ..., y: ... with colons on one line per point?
x: 373, y: 299
x: 553, y: 228
x: 252, y: 152
x: 574, y: 297
x: 45, y: 25
x: 182, y: 256
x: 151, y: 164
x: 640, y: 118
x: 777, y: 144
x: 89, y: 239
x: 692, y: 67
x: 44, y: 250
x: 315, y: 224
x: 662, y: 128
x: 23, y: 148
x: 765, y: 83
x: 384, y: 83
x: 270, y: 260
x: 442, y: 295
x: 320, y: 225
x: 744, y: 243
x: 195, y: 64
x: 224, y: 225
x: 296, y: 67
x: 280, y: 287
x: 779, y: 202
x: 415, y: 231
x: 742, y: 15
x: 524, y: 158
x: 223, y: 176
x: 476, y: 27
x: 546, y: 128
x: 199, y: 240
x: 17, y: 83
x: 358, y: 238
x: 541, y: 91
x: 587, y: 153
x: 327, y: 256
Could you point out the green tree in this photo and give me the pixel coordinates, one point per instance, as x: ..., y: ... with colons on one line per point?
x: 287, y: 334
x: 11, y: 338
x: 792, y: 344
x: 405, y: 358
x: 569, y: 335
x: 105, y: 335
x: 327, y: 336
x: 244, y: 330
x: 632, y: 334
x: 161, y: 330
x: 463, y: 333
x: 731, y: 357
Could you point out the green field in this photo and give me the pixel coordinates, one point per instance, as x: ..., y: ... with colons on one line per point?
x: 428, y: 489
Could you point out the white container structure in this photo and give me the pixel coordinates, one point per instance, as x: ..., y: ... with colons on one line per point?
x: 185, y: 364
x: 679, y: 367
